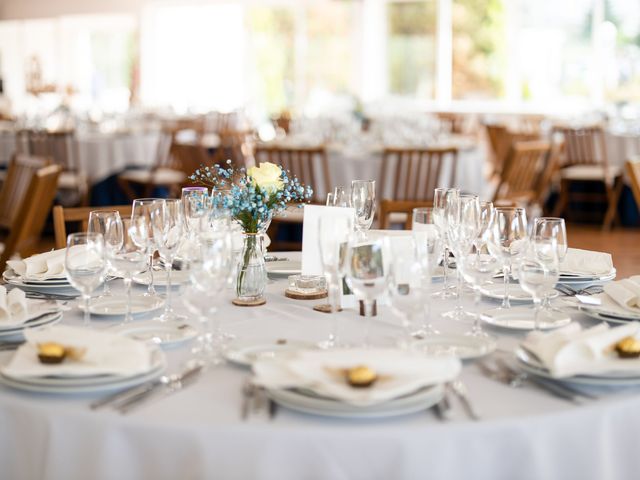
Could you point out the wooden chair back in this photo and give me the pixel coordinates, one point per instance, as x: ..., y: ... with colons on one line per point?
x: 19, y: 174
x: 56, y: 145
x: 501, y: 140
x: 583, y: 146
x: 453, y: 122
x: 527, y: 164
x: 235, y: 145
x: 188, y: 157
x: 390, y: 207
x: 309, y: 164
x: 633, y: 171
x: 62, y: 216
x: 32, y: 214
x: 416, y: 172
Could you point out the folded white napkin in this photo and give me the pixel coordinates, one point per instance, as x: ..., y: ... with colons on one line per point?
x: 573, y: 351
x: 625, y: 293
x: 586, y: 262
x: 41, y: 266
x: 13, y: 306
x: 105, y: 354
x: 399, y: 373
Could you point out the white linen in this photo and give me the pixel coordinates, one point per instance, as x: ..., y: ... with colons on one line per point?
x: 40, y: 266
x: 399, y: 373
x: 573, y: 351
x: 586, y: 262
x: 13, y: 306
x: 625, y: 293
x: 104, y: 354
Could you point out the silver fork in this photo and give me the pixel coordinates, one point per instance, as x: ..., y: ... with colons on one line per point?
x: 460, y: 390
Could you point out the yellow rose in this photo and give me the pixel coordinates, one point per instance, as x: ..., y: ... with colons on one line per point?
x: 267, y: 176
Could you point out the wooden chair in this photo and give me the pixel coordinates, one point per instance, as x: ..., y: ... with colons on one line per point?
x: 526, y: 175
x: 73, y: 183
x: 456, y: 123
x: 633, y: 172
x: 33, y: 211
x: 403, y: 208
x: 166, y: 173
x: 311, y: 166
x: 19, y: 174
x: 235, y: 145
x: 585, y: 160
x: 62, y: 216
x: 501, y: 139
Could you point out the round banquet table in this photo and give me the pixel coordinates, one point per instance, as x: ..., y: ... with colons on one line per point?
x: 198, y: 433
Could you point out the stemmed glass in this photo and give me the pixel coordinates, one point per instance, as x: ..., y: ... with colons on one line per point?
x: 195, y: 202
x: 99, y: 222
x: 333, y: 235
x: 341, y: 197
x: 85, y: 265
x: 486, y: 219
x: 141, y: 213
x: 363, y: 200
x: 365, y: 274
x: 477, y: 269
x: 210, y: 264
x: 463, y: 220
x: 441, y: 198
x: 167, y: 224
x: 329, y: 199
x: 428, y: 244
x: 507, y: 241
x: 548, y: 228
x: 131, y: 258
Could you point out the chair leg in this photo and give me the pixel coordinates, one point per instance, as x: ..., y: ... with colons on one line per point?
x: 563, y: 200
x: 126, y: 188
x: 613, y: 197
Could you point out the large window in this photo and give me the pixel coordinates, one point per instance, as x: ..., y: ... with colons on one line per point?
x: 621, y: 42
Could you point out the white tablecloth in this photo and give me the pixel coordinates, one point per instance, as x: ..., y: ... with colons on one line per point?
x: 198, y: 434
x: 621, y: 147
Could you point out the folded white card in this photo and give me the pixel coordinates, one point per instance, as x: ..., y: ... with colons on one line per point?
x: 625, y: 293
x: 586, y: 262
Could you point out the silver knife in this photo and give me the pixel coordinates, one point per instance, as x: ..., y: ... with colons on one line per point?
x: 460, y: 390
x: 184, y: 379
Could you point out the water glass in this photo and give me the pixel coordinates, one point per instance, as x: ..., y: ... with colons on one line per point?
x: 363, y: 200
x: 85, y: 265
x: 141, y: 214
x: 195, y: 202
x: 442, y: 198
x: 477, y: 269
x: 536, y: 273
x: 341, y: 197
x: 109, y: 224
x: 548, y: 229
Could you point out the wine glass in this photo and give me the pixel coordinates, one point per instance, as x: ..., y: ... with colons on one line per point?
x: 428, y: 244
x: 463, y: 220
x: 141, y: 213
x: 507, y: 241
x: 538, y: 272
x: 167, y: 224
x: 333, y: 235
x: 85, y: 265
x: 210, y: 265
x: 329, y: 199
x: 484, y: 225
x: 363, y: 200
x: 100, y: 222
x: 551, y: 228
x: 441, y: 198
x: 365, y: 274
x: 341, y: 197
x: 131, y: 257
x: 478, y: 270
x: 195, y: 204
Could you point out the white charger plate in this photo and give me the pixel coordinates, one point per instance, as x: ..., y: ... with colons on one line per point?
x: 464, y: 347
x: 284, y: 267
x: 245, y: 355
x: 37, y: 310
x: 611, y: 317
x: 9, y: 275
x: 587, y: 279
x: 305, y: 402
x: 522, y: 318
x: 17, y: 332
x: 515, y: 292
x: 178, y: 277
x: 117, y: 305
x: 164, y: 334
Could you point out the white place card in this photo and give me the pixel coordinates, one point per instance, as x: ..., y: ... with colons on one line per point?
x: 311, y: 264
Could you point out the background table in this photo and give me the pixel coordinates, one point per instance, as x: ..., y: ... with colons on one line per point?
x: 197, y: 433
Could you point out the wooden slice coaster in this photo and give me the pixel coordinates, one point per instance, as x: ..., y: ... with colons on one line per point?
x: 305, y: 296
x: 324, y: 308
x: 249, y: 303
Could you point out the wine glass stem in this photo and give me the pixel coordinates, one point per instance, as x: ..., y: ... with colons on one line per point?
x: 334, y: 300
x: 536, y: 318
x: 87, y: 314
x: 151, y: 289
x: 368, y: 313
x: 459, y: 288
x: 105, y: 286
x: 477, y: 296
x: 127, y: 284
x: 505, y: 273
x: 445, y: 267
x: 167, y: 305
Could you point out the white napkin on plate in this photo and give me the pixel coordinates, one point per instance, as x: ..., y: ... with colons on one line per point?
x: 586, y: 262
x: 13, y: 306
x: 572, y: 351
x: 625, y: 293
x: 106, y: 354
x: 399, y: 373
x: 41, y: 266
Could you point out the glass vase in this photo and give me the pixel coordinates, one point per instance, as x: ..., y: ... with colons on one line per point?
x: 251, y: 279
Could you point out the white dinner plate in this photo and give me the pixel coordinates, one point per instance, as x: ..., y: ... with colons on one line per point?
x: 284, y: 267
x: 515, y: 292
x: 464, y: 347
x: 613, y: 379
x: 245, y: 355
x: 306, y: 402
x: 9, y: 275
x: 178, y: 277
x: 117, y: 305
x: 36, y: 311
x: 45, y: 288
x: 522, y: 318
x: 611, y: 317
x: 164, y: 334
x: 587, y: 279
x: 17, y: 332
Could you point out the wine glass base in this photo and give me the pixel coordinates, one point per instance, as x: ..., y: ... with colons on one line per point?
x: 170, y: 317
x: 446, y: 294
x: 459, y: 315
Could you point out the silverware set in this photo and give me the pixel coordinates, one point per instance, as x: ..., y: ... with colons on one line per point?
x: 569, y: 291
x: 8, y: 346
x: 127, y: 400
x: 501, y: 371
x: 256, y: 401
x: 49, y: 296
